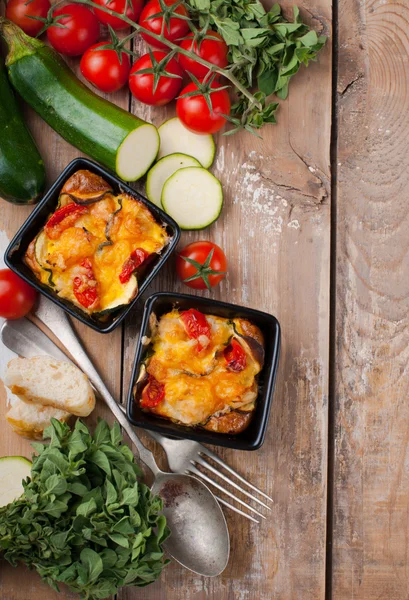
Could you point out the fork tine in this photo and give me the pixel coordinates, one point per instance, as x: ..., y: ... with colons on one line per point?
x: 232, y: 471
x: 237, y: 510
x: 222, y: 476
x: 196, y: 471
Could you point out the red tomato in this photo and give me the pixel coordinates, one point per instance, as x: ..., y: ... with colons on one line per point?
x: 195, y: 114
x: 63, y: 218
x: 196, y: 326
x: 142, y: 84
x: 175, y: 30
x: 80, y: 31
x: 213, y: 50
x: 235, y: 356
x: 103, y: 69
x: 153, y: 393
x: 132, y: 12
x: 206, y: 265
x: 85, y: 285
x: 135, y: 260
x: 16, y: 296
x: 20, y: 11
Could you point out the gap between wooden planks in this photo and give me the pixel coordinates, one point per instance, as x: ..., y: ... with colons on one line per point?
x: 275, y: 229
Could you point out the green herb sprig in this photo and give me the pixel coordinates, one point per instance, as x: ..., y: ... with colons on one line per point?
x: 85, y: 519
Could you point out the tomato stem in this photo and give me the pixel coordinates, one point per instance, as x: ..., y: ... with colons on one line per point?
x: 161, y: 38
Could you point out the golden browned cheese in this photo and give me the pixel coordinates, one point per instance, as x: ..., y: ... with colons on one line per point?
x: 200, y: 388
x: 89, y: 248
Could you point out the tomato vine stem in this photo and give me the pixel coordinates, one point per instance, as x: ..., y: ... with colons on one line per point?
x: 161, y: 38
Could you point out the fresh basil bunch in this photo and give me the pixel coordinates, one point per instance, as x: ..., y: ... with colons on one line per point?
x: 265, y: 51
x: 85, y: 519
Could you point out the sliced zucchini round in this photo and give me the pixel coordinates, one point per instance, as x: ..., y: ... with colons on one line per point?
x: 193, y: 197
x: 175, y: 138
x: 13, y: 469
x: 162, y: 170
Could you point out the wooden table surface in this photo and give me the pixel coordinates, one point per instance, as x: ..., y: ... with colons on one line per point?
x: 315, y: 227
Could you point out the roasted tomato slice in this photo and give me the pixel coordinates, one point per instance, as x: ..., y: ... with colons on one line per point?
x: 135, y: 260
x: 63, y: 218
x: 196, y: 327
x: 235, y: 356
x: 85, y: 285
x: 153, y: 393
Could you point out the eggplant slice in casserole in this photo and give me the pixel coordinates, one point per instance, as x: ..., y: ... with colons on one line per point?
x: 93, y: 246
x: 201, y: 370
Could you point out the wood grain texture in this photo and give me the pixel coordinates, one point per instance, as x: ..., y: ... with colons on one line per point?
x: 275, y: 229
x: 371, y: 502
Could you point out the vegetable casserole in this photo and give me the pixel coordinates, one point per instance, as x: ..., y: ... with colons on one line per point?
x: 201, y: 370
x: 94, y: 246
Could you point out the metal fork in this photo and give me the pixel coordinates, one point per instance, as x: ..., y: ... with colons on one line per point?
x: 184, y: 456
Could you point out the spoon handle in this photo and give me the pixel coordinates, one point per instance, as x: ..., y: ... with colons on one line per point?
x: 57, y: 321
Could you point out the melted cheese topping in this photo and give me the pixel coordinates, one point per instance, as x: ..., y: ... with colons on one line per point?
x: 107, y: 234
x: 198, y: 384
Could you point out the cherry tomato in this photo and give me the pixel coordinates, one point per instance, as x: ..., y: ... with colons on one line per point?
x: 132, y: 12
x: 206, y: 265
x: 135, y: 260
x: 85, y: 285
x: 196, y: 115
x: 196, y: 327
x: 16, y: 296
x: 142, y: 84
x: 235, y: 356
x: 80, y: 31
x: 20, y: 11
x: 63, y: 218
x: 213, y: 50
x: 103, y: 69
x: 174, y: 31
x: 153, y: 393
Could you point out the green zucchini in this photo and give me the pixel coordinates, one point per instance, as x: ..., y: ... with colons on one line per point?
x: 193, y: 197
x: 22, y: 174
x: 107, y: 133
x: 162, y: 170
x: 40, y: 253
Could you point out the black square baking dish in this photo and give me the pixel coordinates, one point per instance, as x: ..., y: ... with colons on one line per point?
x: 253, y: 436
x: 19, y: 244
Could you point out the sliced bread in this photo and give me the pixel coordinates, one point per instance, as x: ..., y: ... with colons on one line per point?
x: 30, y: 420
x: 49, y: 382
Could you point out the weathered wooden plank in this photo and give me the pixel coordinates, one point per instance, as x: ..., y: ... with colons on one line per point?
x: 275, y: 228
x: 105, y: 350
x: 371, y: 500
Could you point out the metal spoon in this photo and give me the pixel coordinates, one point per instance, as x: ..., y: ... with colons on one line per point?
x: 200, y: 538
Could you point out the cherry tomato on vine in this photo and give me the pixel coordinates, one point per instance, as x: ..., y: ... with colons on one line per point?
x: 16, y: 296
x: 20, y: 11
x: 80, y: 31
x: 206, y: 265
x: 194, y: 112
x: 101, y: 67
x: 132, y: 12
x: 142, y: 84
x: 174, y: 30
x: 212, y: 48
